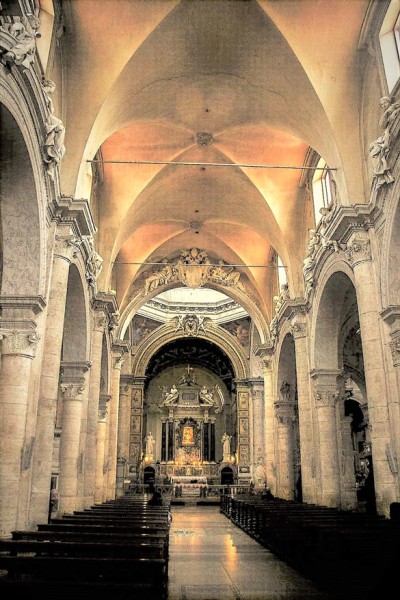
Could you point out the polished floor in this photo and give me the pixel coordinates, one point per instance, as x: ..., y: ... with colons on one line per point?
x: 212, y: 559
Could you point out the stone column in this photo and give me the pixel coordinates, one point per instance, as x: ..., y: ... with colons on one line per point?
x: 284, y: 413
x: 124, y: 418
x: 113, y: 430
x: 306, y: 408
x: 100, y: 448
x: 269, y: 445
x: 243, y: 408
x: 358, y: 253
x: 136, y: 426
x: 72, y: 388
x: 99, y: 323
x: 65, y: 249
x: 326, y: 396
x: 257, y: 397
x: 18, y: 349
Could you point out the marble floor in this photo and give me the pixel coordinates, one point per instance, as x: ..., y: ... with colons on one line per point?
x: 212, y: 559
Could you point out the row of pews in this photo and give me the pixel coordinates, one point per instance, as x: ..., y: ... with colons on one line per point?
x: 348, y: 554
x: 116, y: 550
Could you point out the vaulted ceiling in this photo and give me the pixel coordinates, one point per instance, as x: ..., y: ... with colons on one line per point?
x: 210, y: 81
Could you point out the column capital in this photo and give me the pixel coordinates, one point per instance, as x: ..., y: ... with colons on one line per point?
x: 118, y: 362
x: 266, y: 353
x: 284, y: 411
x: 395, y: 349
x: 72, y: 390
x: 358, y: 248
x: 99, y: 321
x: 299, y: 330
x: 67, y: 246
x: 19, y: 342
x: 326, y: 398
x: 103, y: 400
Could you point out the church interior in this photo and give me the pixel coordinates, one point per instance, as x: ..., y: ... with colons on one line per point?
x: 199, y: 244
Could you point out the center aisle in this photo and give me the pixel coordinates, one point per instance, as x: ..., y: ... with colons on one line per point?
x: 212, y: 559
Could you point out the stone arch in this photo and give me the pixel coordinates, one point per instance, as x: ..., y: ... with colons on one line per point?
x: 166, y: 333
x: 334, y: 282
x: 76, y: 324
x: 24, y: 200
x: 240, y: 297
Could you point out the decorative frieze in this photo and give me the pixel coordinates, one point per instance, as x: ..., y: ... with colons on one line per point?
x: 326, y: 398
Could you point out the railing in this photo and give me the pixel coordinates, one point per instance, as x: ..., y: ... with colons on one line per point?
x: 205, y: 491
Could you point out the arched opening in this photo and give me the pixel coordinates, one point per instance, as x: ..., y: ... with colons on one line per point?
x: 226, y: 476
x: 20, y: 246
x: 287, y: 438
x: 339, y: 376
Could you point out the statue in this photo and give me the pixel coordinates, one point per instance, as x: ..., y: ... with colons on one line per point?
x: 206, y: 396
x: 226, y: 275
x: 171, y: 396
x: 158, y: 278
x: 23, y: 51
x: 379, y: 148
x: 327, y: 214
x: 226, y: 444
x: 94, y: 264
x: 150, y: 441
x: 188, y: 378
x: 309, y: 261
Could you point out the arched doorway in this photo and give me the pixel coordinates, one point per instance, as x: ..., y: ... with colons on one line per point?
x: 226, y: 476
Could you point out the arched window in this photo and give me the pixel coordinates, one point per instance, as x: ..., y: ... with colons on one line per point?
x: 282, y: 275
x: 321, y: 188
x: 389, y: 39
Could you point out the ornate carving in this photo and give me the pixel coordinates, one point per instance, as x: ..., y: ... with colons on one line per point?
x: 114, y: 320
x: 314, y: 242
x: 102, y: 411
x: 284, y: 411
x: 118, y: 363
x: 203, y: 139
x: 327, y: 213
x: 54, y: 148
x: 299, y: 330
x: 190, y: 324
x: 99, y: 323
x: 67, y: 246
x: 395, y: 350
x: 72, y: 391
x: 379, y: 149
x: 358, y: 251
x: 326, y: 398
x: 19, y: 342
x: 23, y: 48
x: 94, y: 264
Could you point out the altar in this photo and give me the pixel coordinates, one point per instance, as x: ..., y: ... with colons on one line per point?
x: 189, y: 485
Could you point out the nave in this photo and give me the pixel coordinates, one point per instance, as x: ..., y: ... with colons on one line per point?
x: 212, y: 559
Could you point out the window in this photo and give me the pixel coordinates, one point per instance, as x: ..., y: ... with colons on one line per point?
x: 321, y: 188
x: 389, y: 38
x: 282, y: 276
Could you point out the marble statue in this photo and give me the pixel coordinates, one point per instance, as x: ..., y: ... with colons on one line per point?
x: 226, y: 444
x: 150, y: 441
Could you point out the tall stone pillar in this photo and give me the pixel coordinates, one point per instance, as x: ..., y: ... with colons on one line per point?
x: 269, y: 445
x: 326, y: 396
x: 284, y: 413
x: 243, y: 410
x: 305, y: 402
x: 136, y: 427
x: 18, y: 349
x: 358, y: 253
x: 257, y: 399
x: 113, y: 430
x: 99, y: 323
x: 100, y: 448
x: 65, y: 249
x: 73, y: 388
x: 124, y: 421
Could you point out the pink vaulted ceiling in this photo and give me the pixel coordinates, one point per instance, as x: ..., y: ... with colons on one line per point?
x: 262, y: 78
